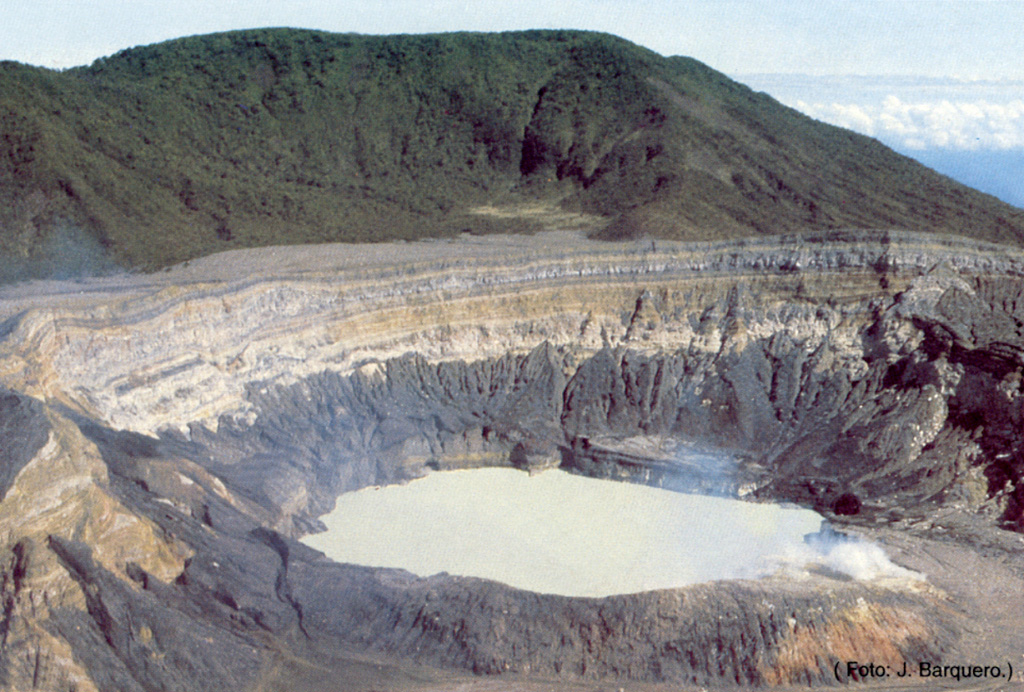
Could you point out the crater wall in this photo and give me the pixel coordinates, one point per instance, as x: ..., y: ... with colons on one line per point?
x: 875, y: 378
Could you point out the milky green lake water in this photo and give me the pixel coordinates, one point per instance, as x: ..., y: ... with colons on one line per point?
x: 559, y: 533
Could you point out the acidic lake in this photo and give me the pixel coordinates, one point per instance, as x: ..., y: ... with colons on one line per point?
x: 559, y: 533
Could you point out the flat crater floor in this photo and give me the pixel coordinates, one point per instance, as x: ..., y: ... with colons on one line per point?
x: 560, y: 533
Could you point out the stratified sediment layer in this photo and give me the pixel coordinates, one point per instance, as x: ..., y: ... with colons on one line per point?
x: 205, y: 421
x: 143, y: 353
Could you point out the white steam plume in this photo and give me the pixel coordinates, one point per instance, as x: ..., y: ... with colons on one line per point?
x: 838, y: 553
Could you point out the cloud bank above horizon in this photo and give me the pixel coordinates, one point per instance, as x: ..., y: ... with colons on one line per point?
x: 912, y: 114
x: 919, y: 125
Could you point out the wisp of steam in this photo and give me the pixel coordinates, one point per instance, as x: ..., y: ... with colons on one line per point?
x: 831, y: 551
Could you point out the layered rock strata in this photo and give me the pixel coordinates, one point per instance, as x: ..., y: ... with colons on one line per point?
x: 198, y: 423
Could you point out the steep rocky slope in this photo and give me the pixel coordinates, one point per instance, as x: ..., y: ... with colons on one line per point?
x: 168, y: 152
x: 199, y: 422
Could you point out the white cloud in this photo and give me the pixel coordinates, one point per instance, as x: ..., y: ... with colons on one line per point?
x: 924, y: 124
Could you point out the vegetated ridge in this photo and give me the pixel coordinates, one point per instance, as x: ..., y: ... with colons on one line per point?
x: 172, y: 151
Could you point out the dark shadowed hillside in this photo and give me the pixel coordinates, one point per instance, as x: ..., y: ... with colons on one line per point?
x: 168, y: 152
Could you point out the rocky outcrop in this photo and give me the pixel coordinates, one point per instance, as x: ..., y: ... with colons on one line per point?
x: 198, y: 424
x: 24, y: 430
x: 745, y: 633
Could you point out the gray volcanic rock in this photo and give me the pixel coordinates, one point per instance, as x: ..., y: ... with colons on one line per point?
x: 141, y: 640
x: 708, y: 634
x: 23, y: 430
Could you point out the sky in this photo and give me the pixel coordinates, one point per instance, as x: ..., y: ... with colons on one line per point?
x: 965, y: 39
x: 939, y: 78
